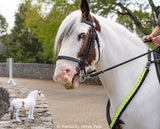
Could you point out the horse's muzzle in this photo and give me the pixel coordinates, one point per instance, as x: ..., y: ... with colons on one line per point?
x: 68, y: 78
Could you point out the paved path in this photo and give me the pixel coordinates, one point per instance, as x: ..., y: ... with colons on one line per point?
x: 83, y: 108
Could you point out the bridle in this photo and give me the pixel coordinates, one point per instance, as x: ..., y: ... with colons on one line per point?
x: 84, y: 59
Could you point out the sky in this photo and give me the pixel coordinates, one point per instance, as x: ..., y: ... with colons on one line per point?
x: 9, y: 7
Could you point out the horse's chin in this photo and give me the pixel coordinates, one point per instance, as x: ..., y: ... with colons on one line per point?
x: 75, y: 82
x: 70, y: 83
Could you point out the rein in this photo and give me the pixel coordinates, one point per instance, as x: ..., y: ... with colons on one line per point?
x: 92, y: 74
x: 123, y: 63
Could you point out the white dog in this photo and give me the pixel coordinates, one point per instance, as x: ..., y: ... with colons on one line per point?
x: 27, y: 104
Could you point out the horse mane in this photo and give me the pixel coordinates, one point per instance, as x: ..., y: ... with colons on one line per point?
x: 66, y: 28
x: 31, y: 93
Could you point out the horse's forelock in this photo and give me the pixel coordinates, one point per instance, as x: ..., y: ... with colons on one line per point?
x: 67, y: 31
x: 66, y: 28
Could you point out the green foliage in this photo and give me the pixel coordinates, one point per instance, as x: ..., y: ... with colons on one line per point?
x: 33, y: 36
x: 45, y: 26
x: 21, y: 44
x: 3, y: 25
x: 134, y: 14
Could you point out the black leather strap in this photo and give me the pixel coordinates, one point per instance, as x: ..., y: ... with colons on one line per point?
x: 157, y: 63
x: 109, y: 120
x: 69, y: 58
x: 88, y: 22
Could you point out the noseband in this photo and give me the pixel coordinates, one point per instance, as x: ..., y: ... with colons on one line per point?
x: 84, y: 60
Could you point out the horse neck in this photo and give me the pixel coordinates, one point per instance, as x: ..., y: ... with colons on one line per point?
x: 119, y: 45
x: 32, y: 95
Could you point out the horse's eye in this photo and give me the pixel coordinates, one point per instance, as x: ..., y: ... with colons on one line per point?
x: 81, y: 36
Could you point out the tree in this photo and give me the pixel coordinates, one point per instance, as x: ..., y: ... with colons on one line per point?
x: 3, y: 32
x: 45, y: 26
x: 139, y: 16
x: 21, y: 44
x: 3, y: 25
x: 33, y: 36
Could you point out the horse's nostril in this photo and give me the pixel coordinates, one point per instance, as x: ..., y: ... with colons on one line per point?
x: 68, y: 70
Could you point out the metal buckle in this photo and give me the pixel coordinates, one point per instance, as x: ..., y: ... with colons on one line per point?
x: 83, y: 76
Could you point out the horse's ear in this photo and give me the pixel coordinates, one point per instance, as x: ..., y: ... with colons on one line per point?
x: 84, y: 6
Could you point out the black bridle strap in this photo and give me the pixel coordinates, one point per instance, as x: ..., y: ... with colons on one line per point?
x: 88, y: 45
x: 91, y: 44
x: 69, y: 58
x: 98, y: 45
x: 88, y: 22
x: 113, y: 67
x: 92, y: 24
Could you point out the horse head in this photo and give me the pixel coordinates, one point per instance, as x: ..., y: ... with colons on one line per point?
x: 39, y: 93
x: 36, y: 93
x: 77, y: 44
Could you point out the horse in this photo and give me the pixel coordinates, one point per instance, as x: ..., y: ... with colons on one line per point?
x: 112, y: 44
x: 25, y: 104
